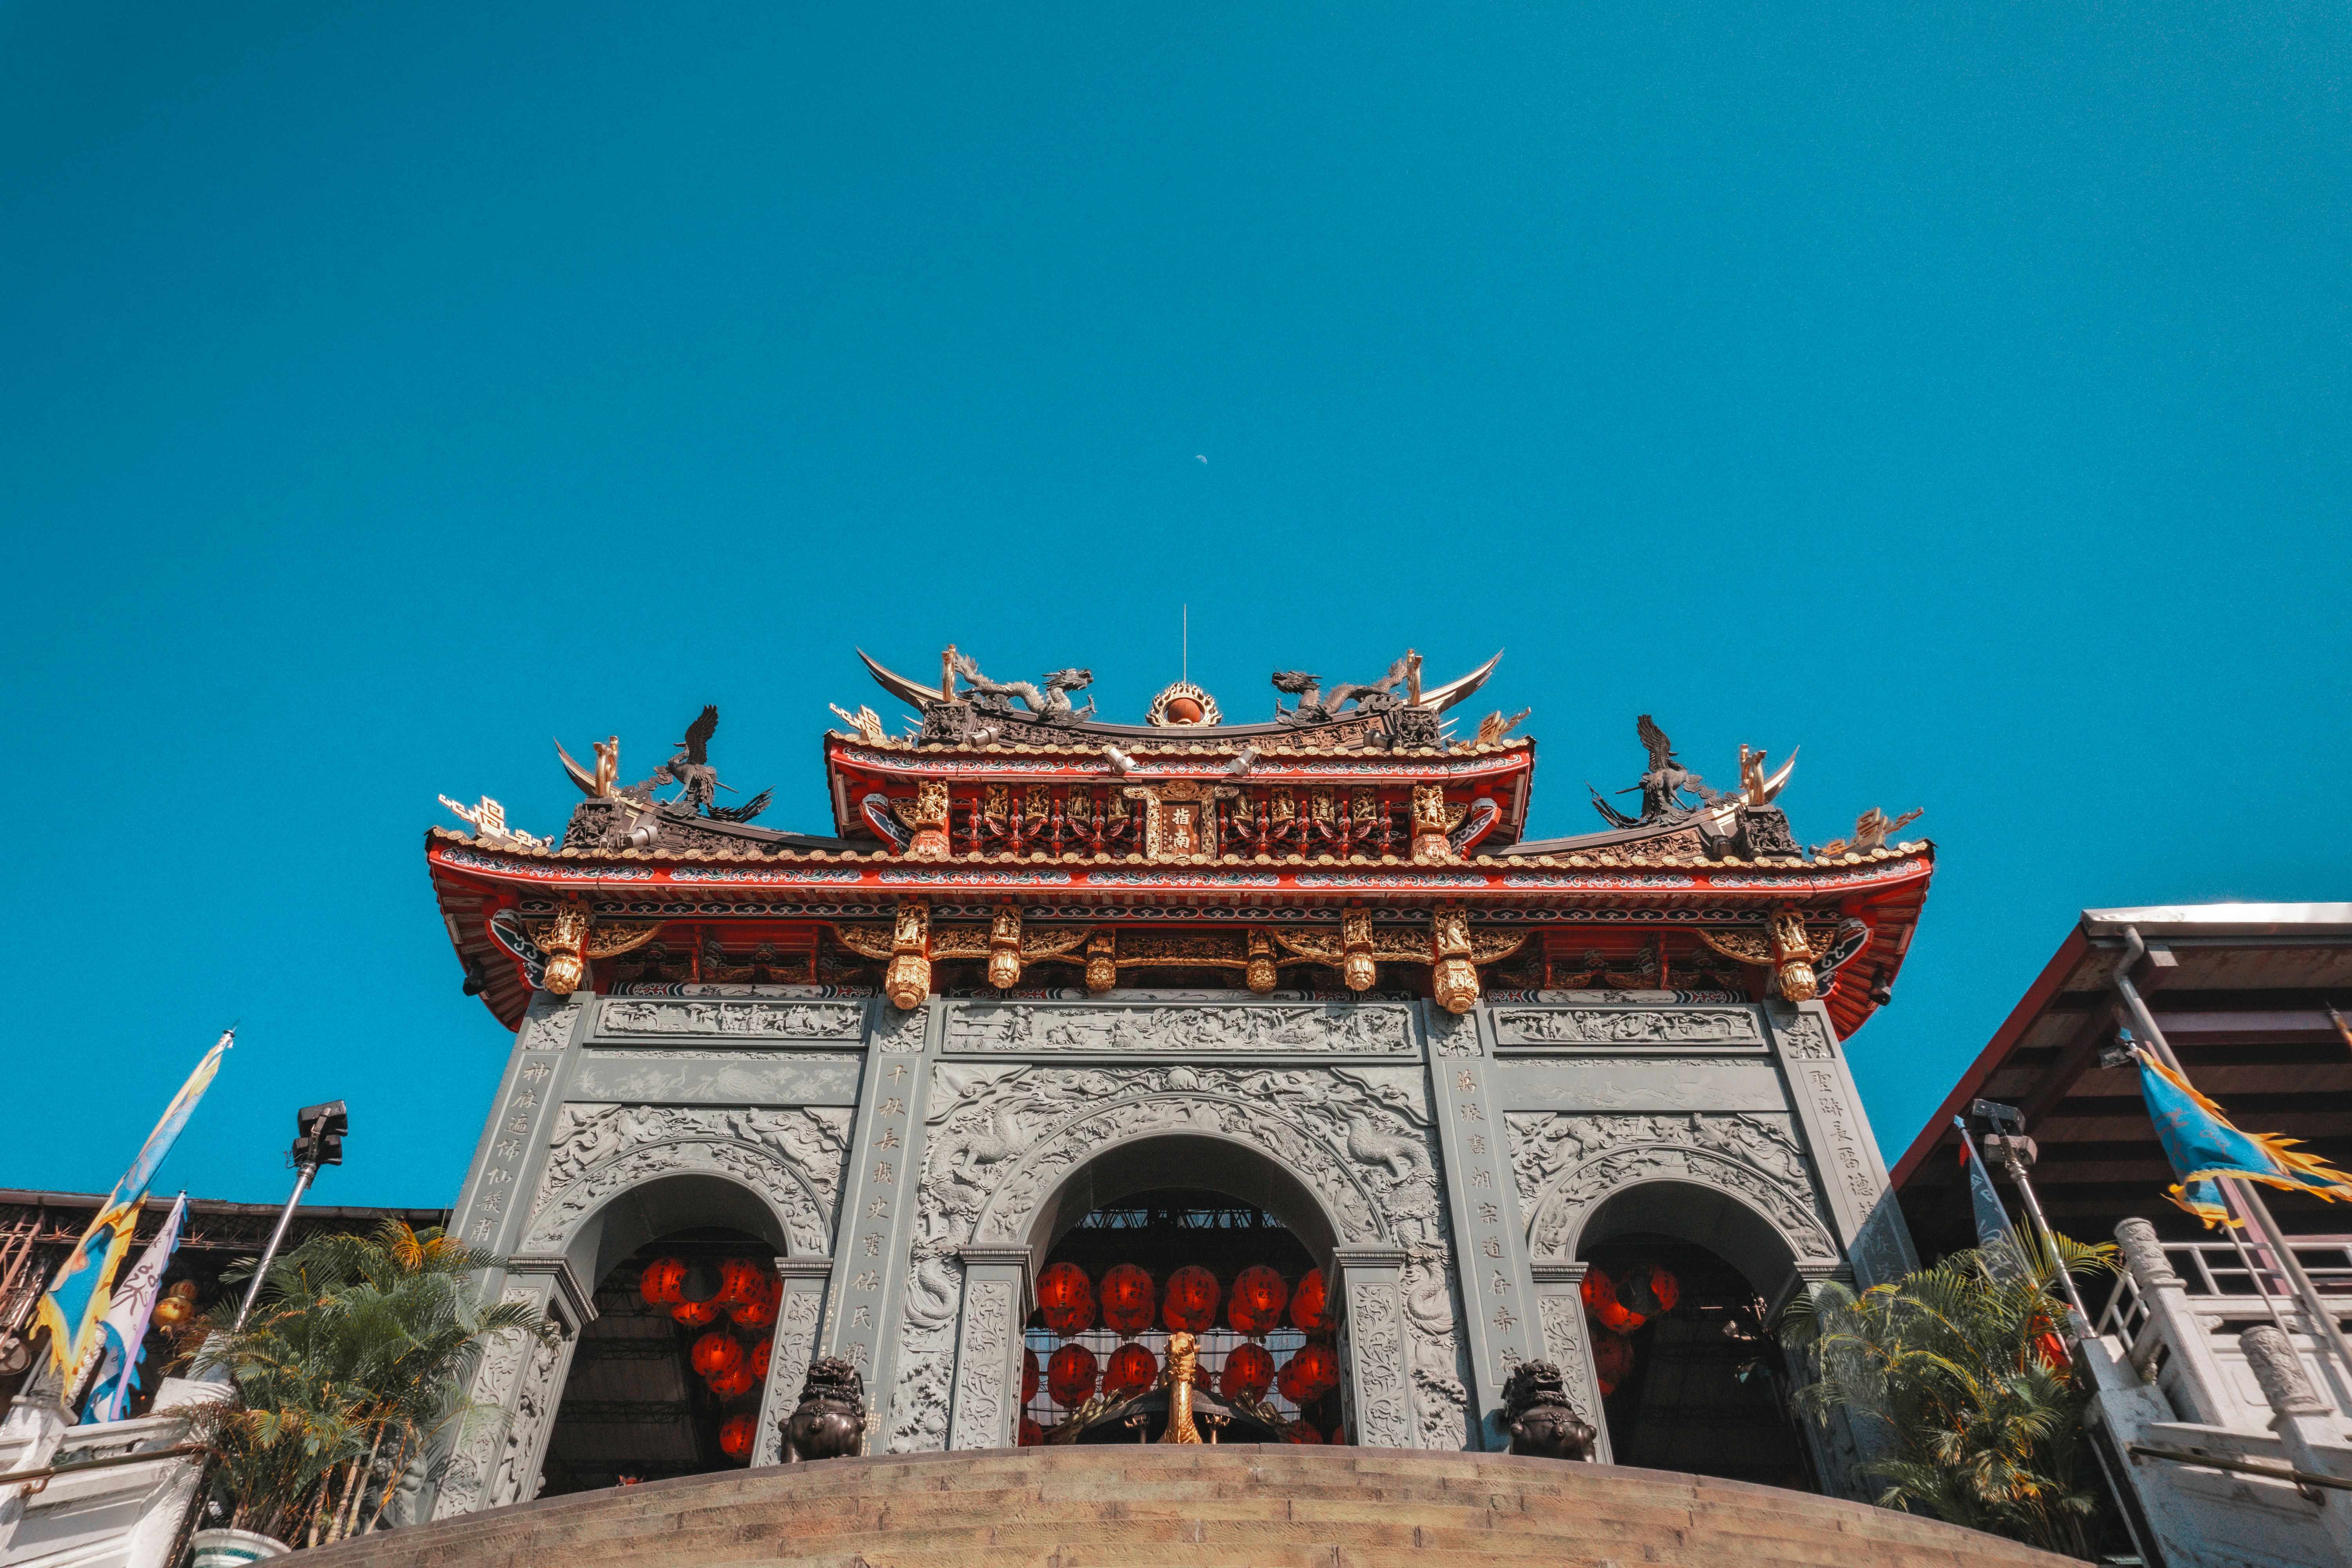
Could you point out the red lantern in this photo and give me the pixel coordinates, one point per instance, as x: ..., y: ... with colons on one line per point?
x: 1601, y: 1300
x: 1070, y: 1375
x: 1029, y: 1375
x: 740, y: 1280
x: 1301, y: 1432
x: 1191, y: 1304
x: 760, y: 1312
x: 735, y: 1438
x: 663, y: 1276
x: 1032, y: 1434
x: 1127, y: 1298
x: 1249, y: 1370
x: 733, y: 1384
x: 1309, y: 1374
x: 717, y: 1351
x: 1066, y: 1298
x: 1259, y: 1297
x: 1306, y: 1302
x: 1612, y: 1360
x: 695, y: 1314
x: 763, y: 1355
x: 1649, y: 1291
x: 1132, y: 1367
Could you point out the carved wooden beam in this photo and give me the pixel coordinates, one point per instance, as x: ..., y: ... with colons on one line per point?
x: 572, y: 938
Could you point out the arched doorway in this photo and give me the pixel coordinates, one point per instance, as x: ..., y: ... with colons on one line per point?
x: 638, y: 1403
x: 1192, y: 1231
x: 1682, y: 1285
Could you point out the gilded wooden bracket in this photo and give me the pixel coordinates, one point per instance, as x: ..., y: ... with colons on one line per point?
x: 1430, y: 826
x: 574, y: 937
x: 1784, y: 946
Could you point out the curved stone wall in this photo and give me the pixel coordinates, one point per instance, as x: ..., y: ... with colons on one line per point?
x: 1132, y: 1507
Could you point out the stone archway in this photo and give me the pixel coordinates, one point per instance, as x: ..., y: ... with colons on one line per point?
x: 619, y: 1177
x: 1344, y: 1156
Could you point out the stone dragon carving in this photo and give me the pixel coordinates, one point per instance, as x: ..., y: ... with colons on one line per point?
x: 794, y: 1158
x: 1564, y: 1164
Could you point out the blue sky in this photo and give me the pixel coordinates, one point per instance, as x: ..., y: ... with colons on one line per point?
x: 1959, y: 391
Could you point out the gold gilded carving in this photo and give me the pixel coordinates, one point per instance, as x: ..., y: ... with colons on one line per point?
x: 574, y: 937
x: 1453, y: 977
x: 1102, y: 960
x: 1793, y: 955
x: 1282, y: 807
x: 1004, y: 946
x: 929, y: 821
x: 866, y: 941
x: 1870, y: 831
x: 1184, y: 1362
x: 907, y: 981
x: 1260, y: 969
x: 1430, y: 826
x: 1357, y: 969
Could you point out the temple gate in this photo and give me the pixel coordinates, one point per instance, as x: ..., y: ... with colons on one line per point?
x: 1297, y: 996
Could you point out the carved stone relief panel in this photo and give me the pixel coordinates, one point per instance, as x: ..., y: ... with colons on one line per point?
x: 1645, y: 1082
x: 541, y: 1386
x: 1435, y: 1349
x: 1239, y: 1029
x: 771, y: 1021
x: 492, y: 1392
x: 1356, y: 1137
x: 797, y: 1316
x: 980, y: 1391
x: 1375, y: 1336
x: 792, y: 1158
x: 1452, y: 1034
x: 680, y: 1078
x: 1566, y: 1163
x: 926, y: 1353
x: 1733, y: 1028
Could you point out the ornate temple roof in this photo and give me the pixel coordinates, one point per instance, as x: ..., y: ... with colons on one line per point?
x: 1007, y: 796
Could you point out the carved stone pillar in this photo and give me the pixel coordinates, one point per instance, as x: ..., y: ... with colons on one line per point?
x: 2301, y: 1418
x: 1005, y: 947
x: 873, y: 1315
x: 907, y: 980
x: 996, y: 1292
x: 929, y: 819
x: 1560, y: 1311
x: 521, y: 1379
x: 798, y: 1315
x: 1453, y: 977
x: 1430, y: 826
x: 1489, y: 1234
x: 1372, y: 1344
x: 2191, y: 1374
x: 1848, y: 1173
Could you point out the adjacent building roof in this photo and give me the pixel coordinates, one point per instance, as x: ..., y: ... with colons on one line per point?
x: 2242, y: 994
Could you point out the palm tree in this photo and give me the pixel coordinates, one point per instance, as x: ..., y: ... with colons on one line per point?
x: 1963, y: 1369
x: 352, y: 1367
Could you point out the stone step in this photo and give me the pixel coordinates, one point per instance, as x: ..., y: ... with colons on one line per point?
x: 1137, y: 1507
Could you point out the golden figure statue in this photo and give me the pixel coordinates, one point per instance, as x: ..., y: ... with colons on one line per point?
x: 1183, y: 1360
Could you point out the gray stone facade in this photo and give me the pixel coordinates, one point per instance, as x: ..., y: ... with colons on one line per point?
x: 911, y: 1172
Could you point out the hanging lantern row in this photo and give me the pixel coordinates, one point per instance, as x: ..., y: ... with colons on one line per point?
x: 1069, y: 1302
x: 1625, y: 1302
x: 1073, y: 1373
x: 748, y: 1293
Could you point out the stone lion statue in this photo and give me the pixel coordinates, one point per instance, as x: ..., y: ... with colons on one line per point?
x: 1537, y: 1415
x: 830, y: 1419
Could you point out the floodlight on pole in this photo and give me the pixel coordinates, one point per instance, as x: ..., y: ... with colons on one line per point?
x: 317, y: 1140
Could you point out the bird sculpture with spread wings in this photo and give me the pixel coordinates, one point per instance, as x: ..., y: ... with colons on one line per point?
x: 1663, y: 785
x: 691, y: 769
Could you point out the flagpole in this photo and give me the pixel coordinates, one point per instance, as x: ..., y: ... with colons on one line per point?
x: 2314, y: 1306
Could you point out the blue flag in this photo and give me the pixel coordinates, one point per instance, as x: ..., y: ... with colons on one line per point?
x: 2203, y: 1145
x: 77, y: 1300
x: 1996, y: 1236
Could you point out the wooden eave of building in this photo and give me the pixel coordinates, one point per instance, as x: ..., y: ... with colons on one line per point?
x: 1503, y: 768
x: 2241, y: 994
x: 473, y: 880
